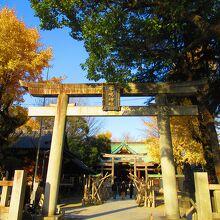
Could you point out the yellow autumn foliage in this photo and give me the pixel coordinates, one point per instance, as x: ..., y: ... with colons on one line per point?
x: 184, y: 129
x: 21, y: 55
x: 106, y: 134
x: 30, y: 126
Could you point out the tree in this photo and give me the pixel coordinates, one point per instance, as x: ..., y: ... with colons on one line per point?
x: 140, y: 40
x: 81, y: 136
x: 21, y: 58
x: 186, y: 145
x: 89, y: 148
x: 127, y: 137
x: 95, y: 145
x: 84, y: 141
x: 95, y: 125
x: 148, y: 41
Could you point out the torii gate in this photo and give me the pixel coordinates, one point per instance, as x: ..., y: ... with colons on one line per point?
x: 131, y: 157
x: 111, y: 107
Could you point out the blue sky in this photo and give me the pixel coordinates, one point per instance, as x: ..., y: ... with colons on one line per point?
x: 68, y: 54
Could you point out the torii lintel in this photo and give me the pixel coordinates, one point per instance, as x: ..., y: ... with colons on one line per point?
x: 131, y: 89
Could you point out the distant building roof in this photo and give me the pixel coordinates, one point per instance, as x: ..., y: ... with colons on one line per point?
x: 122, y: 148
x: 29, y: 142
x: 132, y: 148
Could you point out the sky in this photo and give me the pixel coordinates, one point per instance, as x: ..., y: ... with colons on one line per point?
x: 68, y: 54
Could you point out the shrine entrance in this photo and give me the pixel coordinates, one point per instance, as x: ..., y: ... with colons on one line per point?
x: 127, y: 158
x: 122, y: 171
x: 111, y: 94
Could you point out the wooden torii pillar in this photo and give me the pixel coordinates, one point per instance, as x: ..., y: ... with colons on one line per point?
x: 113, y: 169
x: 135, y: 166
x: 112, y: 108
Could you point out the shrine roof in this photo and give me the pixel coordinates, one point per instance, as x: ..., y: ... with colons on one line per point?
x: 122, y: 147
x: 134, y: 148
x: 29, y: 143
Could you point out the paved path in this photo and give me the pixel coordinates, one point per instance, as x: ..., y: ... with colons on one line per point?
x: 113, y: 210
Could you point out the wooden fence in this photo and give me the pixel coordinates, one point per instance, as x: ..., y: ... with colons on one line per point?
x: 207, y: 206
x: 12, y: 196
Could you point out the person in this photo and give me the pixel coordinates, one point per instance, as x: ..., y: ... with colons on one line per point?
x: 189, y: 187
x: 27, y: 193
x: 123, y: 190
x: 131, y: 189
x: 114, y: 190
x: 39, y: 197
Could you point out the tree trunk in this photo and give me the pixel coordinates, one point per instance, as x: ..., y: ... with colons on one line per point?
x: 211, y: 137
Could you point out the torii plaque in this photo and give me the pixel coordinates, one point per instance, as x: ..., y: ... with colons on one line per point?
x: 162, y: 109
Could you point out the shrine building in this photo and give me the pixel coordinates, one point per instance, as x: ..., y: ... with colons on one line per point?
x: 128, y: 157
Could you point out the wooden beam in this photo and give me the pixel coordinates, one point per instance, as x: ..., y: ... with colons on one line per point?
x: 124, y: 155
x: 214, y: 186
x: 125, y: 161
x: 143, y: 169
x: 95, y: 89
x: 173, y: 89
x: 52, y: 90
x: 121, y: 161
x: 105, y: 164
x: 125, y: 111
x: 160, y: 176
x: 143, y: 164
x: 105, y: 168
x: 6, y: 183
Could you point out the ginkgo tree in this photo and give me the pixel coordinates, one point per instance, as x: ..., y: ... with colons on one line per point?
x: 22, y: 57
x: 185, y: 140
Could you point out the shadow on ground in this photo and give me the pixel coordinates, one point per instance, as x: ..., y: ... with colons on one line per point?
x: 95, y: 215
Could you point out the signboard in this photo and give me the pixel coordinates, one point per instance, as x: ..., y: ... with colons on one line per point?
x: 111, y: 97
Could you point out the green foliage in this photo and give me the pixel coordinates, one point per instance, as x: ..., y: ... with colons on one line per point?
x: 139, y: 40
x: 143, y: 41
x: 80, y: 135
x: 9, y: 120
x: 78, y: 132
x: 89, y: 148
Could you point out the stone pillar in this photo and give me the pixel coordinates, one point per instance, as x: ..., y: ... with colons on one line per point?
x: 17, y: 196
x: 55, y: 159
x: 113, y: 169
x: 167, y: 160
x: 216, y: 194
x: 203, y: 201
